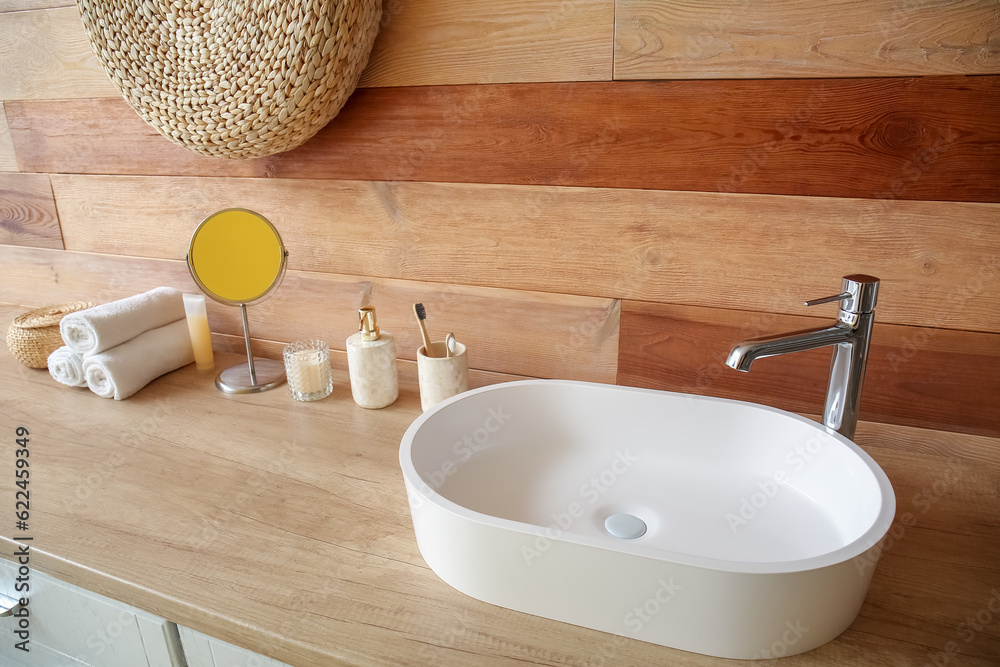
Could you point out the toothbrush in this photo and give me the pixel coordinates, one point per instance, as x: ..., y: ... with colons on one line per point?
x: 421, y: 313
x: 450, y: 345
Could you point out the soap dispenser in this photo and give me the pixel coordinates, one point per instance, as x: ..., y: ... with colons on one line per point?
x: 371, y: 362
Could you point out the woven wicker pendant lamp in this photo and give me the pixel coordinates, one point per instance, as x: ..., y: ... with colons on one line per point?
x: 234, y: 78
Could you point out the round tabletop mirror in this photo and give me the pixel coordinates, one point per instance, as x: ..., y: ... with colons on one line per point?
x: 237, y: 258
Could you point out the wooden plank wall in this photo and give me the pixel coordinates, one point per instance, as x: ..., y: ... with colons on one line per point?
x: 606, y: 190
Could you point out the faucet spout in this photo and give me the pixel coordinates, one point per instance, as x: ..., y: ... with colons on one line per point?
x: 746, y: 352
x: 849, y: 336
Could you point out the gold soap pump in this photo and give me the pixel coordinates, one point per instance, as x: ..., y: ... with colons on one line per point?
x: 371, y: 362
x: 369, y: 327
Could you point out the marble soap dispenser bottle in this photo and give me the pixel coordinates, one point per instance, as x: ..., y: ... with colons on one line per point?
x: 371, y: 362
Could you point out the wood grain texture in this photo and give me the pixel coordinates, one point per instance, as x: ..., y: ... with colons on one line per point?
x: 8, y: 161
x: 22, y: 5
x: 433, y: 42
x: 28, y: 211
x: 930, y: 378
x: 934, y: 138
x: 670, y: 39
x: 945, y: 512
x: 420, y: 42
x: 45, y: 54
x: 423, y: 42
x: 193, y: 505
x: 939, y: 261
x: 500, y: 327
x: 104, y: 136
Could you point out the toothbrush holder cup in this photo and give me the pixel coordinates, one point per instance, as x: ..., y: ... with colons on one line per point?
x: 441, y: 376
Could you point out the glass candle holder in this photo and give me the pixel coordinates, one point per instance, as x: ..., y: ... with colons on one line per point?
x: 307, y: 367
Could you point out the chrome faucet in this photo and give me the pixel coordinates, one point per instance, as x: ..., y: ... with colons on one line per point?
x: 850, y: 335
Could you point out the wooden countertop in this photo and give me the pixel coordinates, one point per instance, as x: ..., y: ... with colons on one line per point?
x: 283, y: 527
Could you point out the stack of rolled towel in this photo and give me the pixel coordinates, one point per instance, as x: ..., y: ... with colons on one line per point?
x: 118, y: 348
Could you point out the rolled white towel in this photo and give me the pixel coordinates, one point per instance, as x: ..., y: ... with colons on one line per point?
x: 66, y: 366
x: 102, y: 327
x: 125, y: 369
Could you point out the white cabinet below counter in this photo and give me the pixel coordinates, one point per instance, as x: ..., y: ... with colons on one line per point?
x: 204, y: 651
x: 68, y: 626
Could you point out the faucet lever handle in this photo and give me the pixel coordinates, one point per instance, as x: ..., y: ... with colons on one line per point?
x: 828, y: 299
x: 859, y: 295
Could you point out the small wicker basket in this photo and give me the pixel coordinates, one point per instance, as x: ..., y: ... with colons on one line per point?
x: 34, y: 335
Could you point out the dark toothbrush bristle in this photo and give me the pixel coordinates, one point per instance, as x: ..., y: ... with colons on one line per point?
x: 421, y: 313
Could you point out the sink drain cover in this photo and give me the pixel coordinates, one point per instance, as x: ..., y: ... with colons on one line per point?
x: 625, y: 526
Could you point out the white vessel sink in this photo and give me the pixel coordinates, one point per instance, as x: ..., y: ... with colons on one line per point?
x: 758, y: 529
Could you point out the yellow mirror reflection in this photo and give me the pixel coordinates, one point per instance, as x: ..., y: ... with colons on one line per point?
x: 236, y: 256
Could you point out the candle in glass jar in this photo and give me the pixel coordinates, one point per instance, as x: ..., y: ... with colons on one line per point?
x: 310, y: 371
x: 307, y: 366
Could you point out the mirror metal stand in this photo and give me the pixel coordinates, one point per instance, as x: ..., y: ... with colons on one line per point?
x: 257, y: 374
